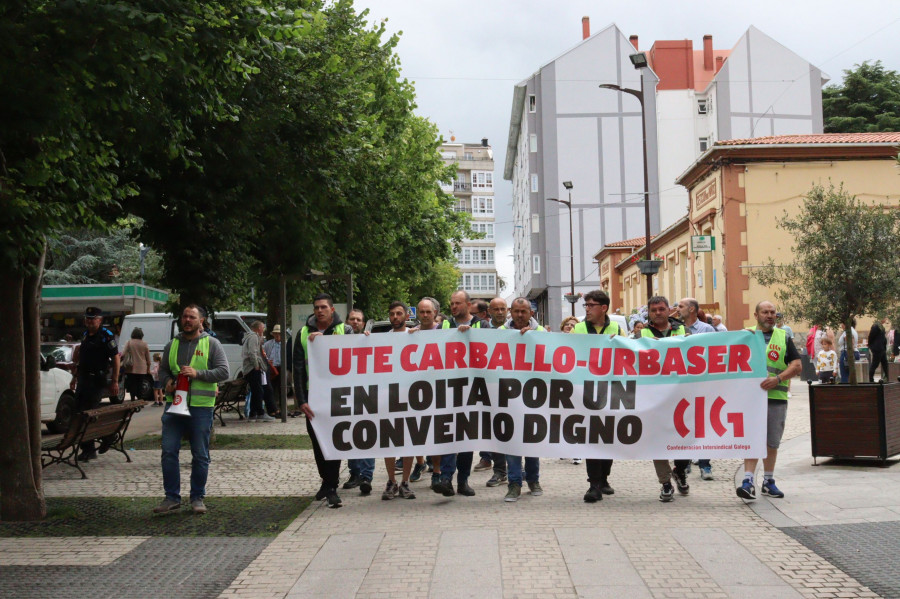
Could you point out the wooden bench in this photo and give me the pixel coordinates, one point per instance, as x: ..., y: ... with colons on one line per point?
x: 229, y: 398
x: 106, y: 424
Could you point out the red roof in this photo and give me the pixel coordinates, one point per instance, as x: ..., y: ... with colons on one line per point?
x: 628, y: 243
x: 823, y: 138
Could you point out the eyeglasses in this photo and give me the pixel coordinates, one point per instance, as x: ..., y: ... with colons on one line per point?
x: 587, y: 305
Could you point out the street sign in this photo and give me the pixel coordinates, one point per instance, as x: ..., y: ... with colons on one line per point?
x: 703, y: 243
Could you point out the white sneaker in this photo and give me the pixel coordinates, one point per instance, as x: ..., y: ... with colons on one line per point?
x: 265, y: 418
x: 576, y: 461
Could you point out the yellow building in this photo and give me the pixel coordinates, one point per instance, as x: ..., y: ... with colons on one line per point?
x: 738, y: 190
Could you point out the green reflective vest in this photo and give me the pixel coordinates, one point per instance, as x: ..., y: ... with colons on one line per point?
x: 778, y: 347
x: 304, y: 337
x: 673, y: 332
x: 610, y: 329
x: 446, y: 324
x: 202, y: 394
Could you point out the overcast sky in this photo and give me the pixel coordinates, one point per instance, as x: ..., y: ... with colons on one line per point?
x: 465, y: 57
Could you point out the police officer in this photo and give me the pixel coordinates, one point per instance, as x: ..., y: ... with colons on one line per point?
x: 93, y: 358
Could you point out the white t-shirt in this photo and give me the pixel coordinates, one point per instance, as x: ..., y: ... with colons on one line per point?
x: 826, y: 361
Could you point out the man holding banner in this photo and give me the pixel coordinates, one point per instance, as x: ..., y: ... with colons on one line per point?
x: 782, y: 364
x: 661, y: 327
x: 324, y: 321
x: 521, y: 320
x: 597, y: 321
x: 460, y: 319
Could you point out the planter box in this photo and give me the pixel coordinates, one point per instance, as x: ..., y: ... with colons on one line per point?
x: 855, y: 421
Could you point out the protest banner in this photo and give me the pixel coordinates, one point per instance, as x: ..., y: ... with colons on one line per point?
x: 539, y: 394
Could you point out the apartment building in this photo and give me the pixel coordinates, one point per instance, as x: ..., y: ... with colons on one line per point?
x: 565, y: 128
x: 473, y: 189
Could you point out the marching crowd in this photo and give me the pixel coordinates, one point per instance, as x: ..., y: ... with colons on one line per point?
x: 194, y: 361
x: 663, y: 320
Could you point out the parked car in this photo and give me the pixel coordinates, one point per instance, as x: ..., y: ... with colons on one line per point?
x: 62, y: 353
x: 57, y: 400
x: 229, y: 328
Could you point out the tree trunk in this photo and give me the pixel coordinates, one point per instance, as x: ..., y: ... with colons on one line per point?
x: 21, y: 492
x: 851, y: 348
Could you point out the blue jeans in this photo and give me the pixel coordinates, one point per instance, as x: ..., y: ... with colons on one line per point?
x: 845, y: 372
x: 703, y: 464
x: 514, y: 469
x: 174, y: 428
x: 363, y: 468
x: 450, y: 462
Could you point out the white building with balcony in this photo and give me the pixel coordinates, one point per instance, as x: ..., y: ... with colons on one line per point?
x: 473, y: 189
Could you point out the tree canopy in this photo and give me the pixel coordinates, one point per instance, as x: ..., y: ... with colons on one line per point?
x: 868, y: 100
x: 250, y: 138
x: 844, y: 263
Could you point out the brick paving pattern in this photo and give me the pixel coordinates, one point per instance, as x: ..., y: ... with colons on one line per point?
x: 186, y: 568
x: 709, y: 544
x: 869, y: 552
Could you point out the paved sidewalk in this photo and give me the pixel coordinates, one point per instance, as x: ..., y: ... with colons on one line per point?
x: 708, y: 544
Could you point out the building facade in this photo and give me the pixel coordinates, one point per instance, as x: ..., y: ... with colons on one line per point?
x: 564, y: 128
x: 738, y: 189
x: 473, y: 189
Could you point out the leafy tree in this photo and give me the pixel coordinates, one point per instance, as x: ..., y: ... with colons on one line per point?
x: 868, y: 100
x: 79, y: 83
x: 844, y: 266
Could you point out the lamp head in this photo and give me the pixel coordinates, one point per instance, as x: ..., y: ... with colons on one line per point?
x: 639, y: 60
x: 568, y: 185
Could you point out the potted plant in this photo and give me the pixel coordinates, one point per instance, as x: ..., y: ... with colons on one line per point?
x: 840, y: 273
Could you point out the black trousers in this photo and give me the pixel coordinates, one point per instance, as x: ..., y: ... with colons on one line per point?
x: 88, y: 393
x: 254, y: 379
x: 329, y: 470
x: 598, y: 470
x: 878, y: 358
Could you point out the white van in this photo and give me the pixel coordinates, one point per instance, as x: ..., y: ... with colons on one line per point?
x: 229, y: 327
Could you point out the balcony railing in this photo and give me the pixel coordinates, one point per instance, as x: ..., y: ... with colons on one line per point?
x: 459, y: 186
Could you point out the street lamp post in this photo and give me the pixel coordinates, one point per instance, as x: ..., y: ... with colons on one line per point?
x: 571, y: 296
x: 143, y: 249
x: 639, y: 61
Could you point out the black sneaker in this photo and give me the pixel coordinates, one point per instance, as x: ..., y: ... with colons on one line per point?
x: 332, y: 498
x: 352, y: 483
x: 444, y: 487
x: 667, y: 493
x: 496, y: 480
x: 398, y: 465
x: 594, y: 493
x: 416, y: 475
x: 464, y: 489
x: 606, y: 489
x: 365, y: 486
x: 680, y: 478
x: 85, y: 456
x: 322, y: 492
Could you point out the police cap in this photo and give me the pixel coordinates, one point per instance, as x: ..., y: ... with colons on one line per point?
x: 93, y: 312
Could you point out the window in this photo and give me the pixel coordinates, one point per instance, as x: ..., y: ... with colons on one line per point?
x: 532, y: 103
x: 468, y: 156
x: 536, y: 264
x: 535, y: 223
x: 479, y: 282
x: 702, y: 106
x: 461, y: 206
x: 487, y: 229
x: 482, y: 205
x: 704, y: 144
x: 534, y: 183
x: 532, y: 142
x: 482, y: 180
x: 228, y: 330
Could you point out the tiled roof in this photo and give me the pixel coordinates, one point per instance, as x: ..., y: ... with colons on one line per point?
x: 628, y: 243
x: 824, y: 138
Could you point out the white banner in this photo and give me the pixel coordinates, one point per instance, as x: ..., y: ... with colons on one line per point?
x: 539, y: 394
